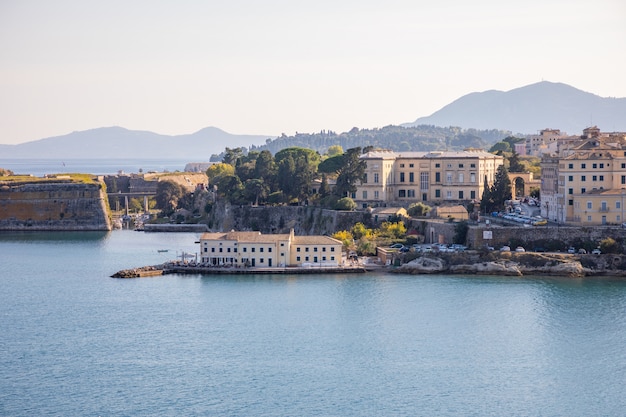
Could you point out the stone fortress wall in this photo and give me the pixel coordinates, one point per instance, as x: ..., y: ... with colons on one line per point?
x: 54, y: 206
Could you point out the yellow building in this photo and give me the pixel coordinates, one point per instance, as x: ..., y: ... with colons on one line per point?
x: 585, y: 184
x: 254, y: 249
x: 407, y: 177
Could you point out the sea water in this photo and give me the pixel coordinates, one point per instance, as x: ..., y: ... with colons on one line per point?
x: 74, y: 341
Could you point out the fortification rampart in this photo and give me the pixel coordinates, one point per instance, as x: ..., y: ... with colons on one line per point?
x: 53, y: 206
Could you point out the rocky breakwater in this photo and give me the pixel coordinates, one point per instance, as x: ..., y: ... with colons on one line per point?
x: 516, y: 264
x: 64, y: 203
x: 144, y: 271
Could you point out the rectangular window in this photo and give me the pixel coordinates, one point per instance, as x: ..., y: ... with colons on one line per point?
x: 439, y: 165
x: 306, y: 258
x: 376, y: 178
x: 461, y: 177
x: 472, y: 177
x: 623, y: 166
x: 594, y: 166
x: 460, y: 195
x: 410, y: 165
x: 583, y: 166
x: 298, y: 249
x: 570, y: 166
x: 376, y: 195
x: 583, y: 178
x: 472, y: 165
x: 221, y: 250
x: 402, y: 177
x: 589, y: 205
x: 401, y: 165
x: 401, y: 193
x: 448, y: 194
x: 365, y: 178
x: 618, y: 204
x: 298, y: 258
x: 472, y: 194
x: 324, y: 249
x: 245, y: 249
x: 601, y: 166
x: 260, y: 260
x: 306, y: 249
x: 448, y: 177
x: 332, y: 248
x: 588, y: 218
x: 583, y: 190
x: 269, y: 249
x: 601, y: 177
x: 570, y: 178
x: 570, y: 191
x: 437, y: 193
x: 424, y: 179
x: 411, y: 176
x: 315, y: 249
x: 323, y: 258
x: 364, y: 195
x: 332, y: 258
x: 437, y: 176
x: 594, y: 178
x: 410, y: 193
x: 460, y: 165
x: 570, y: 202
x: 213, y: 250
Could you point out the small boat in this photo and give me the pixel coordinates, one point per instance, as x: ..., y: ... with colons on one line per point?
x: 162, y: 250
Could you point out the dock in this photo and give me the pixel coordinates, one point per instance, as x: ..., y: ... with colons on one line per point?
x: 178, y: 268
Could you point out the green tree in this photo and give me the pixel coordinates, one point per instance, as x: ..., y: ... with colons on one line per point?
x: 418, y: 209
x: 486, y: 201
x: 610, y: 245
x: 515, y: 165
x: 229, y: 186
x: 460, y: 232
x: 324, y: 187
x: 345, y: 204
x: 255, y: 189
x: 334, y: 150
x: 167, y: 195
x: 215, y: 171
x: 501, y: 190
x: 500, y: 146
x: 352, y: 171
x: 232, y: 155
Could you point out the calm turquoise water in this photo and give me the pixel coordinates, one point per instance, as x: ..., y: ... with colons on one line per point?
x: 76, y: 342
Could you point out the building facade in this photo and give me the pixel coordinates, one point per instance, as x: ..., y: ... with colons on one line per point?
x: 402, y: 178
x: 253, y: 249
x: 585, y: 184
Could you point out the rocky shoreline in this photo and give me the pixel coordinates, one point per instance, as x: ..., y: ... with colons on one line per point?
x: 468, y: 263
x: 517, y: 264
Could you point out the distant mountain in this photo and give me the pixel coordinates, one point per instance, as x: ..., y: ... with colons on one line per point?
x: 117, y: 142
x: 531, y: 108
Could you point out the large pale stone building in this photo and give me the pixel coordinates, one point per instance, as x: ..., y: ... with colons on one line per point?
x: 585, y: 184
x: 401, y: 178
x: 254, y: 249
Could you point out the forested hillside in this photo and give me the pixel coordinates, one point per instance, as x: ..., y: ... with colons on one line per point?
x: 396, y: 138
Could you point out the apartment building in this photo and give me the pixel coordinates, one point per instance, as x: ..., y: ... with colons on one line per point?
x: 255, y: 249
x: 585, y: 184
x: 406, y: 177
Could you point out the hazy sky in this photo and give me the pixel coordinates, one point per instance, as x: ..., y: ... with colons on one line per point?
x: 281, y: 66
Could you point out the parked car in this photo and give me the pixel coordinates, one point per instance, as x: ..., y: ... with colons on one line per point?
x: 397, y: 246
x: 582, y: 251
x: 520, y: 249
x: 505, y: 249
x: 540, y: 222
x: 571, y: 250
x: 596, y: 251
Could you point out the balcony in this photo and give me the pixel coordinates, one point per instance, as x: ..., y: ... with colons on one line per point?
x: 603, y: 209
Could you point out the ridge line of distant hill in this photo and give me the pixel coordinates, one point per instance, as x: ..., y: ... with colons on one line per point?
x: 474, y: 120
